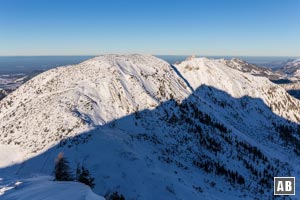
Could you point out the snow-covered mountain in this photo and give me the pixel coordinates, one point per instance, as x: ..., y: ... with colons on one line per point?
x: 255, y: 70
x: 222, y: 75
x: 291, y: 68
x: 198, y: 130
x: 10, y: 82
x: 65, y: 101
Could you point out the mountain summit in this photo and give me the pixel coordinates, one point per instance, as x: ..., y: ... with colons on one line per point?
x: 65, y: 101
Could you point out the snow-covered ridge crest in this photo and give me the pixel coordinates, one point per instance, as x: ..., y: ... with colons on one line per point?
x: 66, y: 101
x: 220, y: 74
x: 70, y: 100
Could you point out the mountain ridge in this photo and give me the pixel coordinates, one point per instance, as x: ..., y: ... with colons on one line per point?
x: 215, y: 139
x: 83, y: 92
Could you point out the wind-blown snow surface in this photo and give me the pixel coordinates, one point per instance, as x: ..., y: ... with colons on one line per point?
x: 199, y: 130
x: 216, y: 73
x: 65, y: 101
x: 44, y: 188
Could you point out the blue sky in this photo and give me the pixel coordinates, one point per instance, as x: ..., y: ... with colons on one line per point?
x: 169, y: 27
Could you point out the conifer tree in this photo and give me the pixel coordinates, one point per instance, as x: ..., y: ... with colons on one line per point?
x: 115, y: 196
x: 62, y: 169
x: 83, y: 175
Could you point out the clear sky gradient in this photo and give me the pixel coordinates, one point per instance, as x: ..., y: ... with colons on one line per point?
x: 170, y: 27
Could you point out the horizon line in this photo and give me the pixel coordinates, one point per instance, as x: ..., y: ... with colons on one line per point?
x: 207, y: 55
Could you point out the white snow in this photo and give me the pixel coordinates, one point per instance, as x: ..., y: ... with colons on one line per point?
x: 215, y: 73
x: 8, y: 158
x: 65, y: 101
x: 43, y: 188
x: 121, y: 104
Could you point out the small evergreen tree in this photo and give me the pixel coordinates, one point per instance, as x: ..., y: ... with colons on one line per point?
x: 62, y: 169
x: 83, y: 175
x: 115, y: 196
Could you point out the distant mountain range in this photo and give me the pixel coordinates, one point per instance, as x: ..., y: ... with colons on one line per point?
x: 291, y: 68
x: 199, y: 129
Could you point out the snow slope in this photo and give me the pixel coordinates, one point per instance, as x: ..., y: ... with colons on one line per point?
x: 252, y: 69
x: 199, y: 130
x: 291, y: 68
x: 44, y: 188
x: 7, y: 158
x: 217, y: 73
x: 65, y: 101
